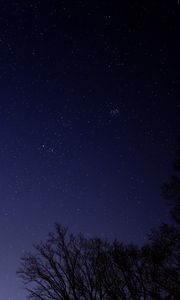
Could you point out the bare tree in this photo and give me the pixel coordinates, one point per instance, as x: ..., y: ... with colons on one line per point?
x: 65, y: 267
x: 69, y: 267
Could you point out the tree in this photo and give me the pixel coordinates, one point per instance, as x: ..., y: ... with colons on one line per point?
x: 161, y: 271
x: 171, y: 189
x: 72, y: 267
x: 66, y: 267
x: 69, y: 267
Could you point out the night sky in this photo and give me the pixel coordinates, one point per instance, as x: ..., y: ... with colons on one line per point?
x: 89, y: 111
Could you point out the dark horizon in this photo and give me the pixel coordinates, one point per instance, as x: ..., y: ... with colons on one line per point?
x: 89, y: 115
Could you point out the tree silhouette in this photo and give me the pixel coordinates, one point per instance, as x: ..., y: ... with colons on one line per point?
x: 161, y: 271
x: 72, y: 267
x: 171, y: 189
x: 66, y: 267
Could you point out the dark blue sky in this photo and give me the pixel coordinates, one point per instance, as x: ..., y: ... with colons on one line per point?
x: 89, y: 115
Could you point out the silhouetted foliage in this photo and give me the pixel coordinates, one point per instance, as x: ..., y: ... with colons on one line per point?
x: 171, y: 189
x: 72, y: 267
x: 66, y: 267
x: 165, y: 261
x: 149, y: 272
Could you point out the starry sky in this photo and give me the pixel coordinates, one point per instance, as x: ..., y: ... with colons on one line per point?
x: 89, y: 115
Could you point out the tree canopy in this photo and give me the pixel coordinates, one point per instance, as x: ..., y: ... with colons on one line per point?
x: 73, y: 267
x: 69, y: 267
x: 171, y: 189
